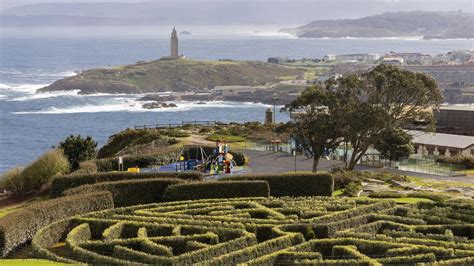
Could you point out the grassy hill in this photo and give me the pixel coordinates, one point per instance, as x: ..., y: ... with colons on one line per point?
x: 431, y: 25
x: 172, y: 75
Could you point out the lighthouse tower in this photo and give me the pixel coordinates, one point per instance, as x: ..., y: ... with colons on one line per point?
x: 174, y: 44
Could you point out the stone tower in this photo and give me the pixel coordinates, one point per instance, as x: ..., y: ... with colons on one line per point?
x: 174, y: 44
x: 269, y: 117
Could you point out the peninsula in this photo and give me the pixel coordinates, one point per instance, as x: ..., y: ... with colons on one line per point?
x: 174, y: 75
x: 429, y: 25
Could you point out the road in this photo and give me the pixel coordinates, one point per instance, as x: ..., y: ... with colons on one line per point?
x: 270, y: 162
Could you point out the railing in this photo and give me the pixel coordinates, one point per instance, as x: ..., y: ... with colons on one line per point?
x: 183, y: 123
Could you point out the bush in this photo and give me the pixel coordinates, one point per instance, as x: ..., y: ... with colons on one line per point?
x: 385, y: 194
x: 78, y: 149
x: 352, y: 189
x: 19, y: 227
x: 210, y: 190
x: 294, y: 185
x: 429, y: 195
x: 130, y: 192
x: 466, y: 161
x: 13, y: 181
x: 130, y: 137
x: 62, y: 183
x: 239, y: 158
x: 142, y: 161
x: 37, y: 174
x: 87, y: 167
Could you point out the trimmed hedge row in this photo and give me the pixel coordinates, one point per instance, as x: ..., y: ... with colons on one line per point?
x: 62, y: 183
x: 130, y: 192
x: 20, y: 226
x: 208, y: 190
x: 293, y: 185
x: 142, y: 161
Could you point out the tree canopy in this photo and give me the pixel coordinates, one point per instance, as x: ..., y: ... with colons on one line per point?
x: 363, y: 109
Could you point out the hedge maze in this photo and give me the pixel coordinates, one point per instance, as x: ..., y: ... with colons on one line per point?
x: 266, y: 231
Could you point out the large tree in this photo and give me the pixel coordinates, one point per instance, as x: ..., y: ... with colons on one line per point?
x: 389, y: 98
x: 394, y: 144
x: 319, y: 125
x: 361, y: 109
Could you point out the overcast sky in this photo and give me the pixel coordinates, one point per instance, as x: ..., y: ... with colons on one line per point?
x: 4, y: 4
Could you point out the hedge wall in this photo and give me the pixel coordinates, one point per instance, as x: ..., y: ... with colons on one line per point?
x: 130, y: 192
x: 20, y: 226
x: 142, y: 161
x: 62, y: 183
x: 209, y: 190
x: 294, y: 185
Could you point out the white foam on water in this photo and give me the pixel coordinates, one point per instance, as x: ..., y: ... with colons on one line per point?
x: 24, y: 88
x: 131, y: 105
x: 44, y: 95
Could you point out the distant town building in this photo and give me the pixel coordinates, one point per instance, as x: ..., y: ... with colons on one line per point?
x: 438, y: 144
x: 412, y: 58
x: 358, y: 57
x: 235, y: 90
x: 448, y: 75
x: 330, y: 57
x: 174, y: 44
x: 458, y: 117
x: 393, y: 60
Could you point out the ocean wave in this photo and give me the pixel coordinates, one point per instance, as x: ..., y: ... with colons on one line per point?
x: 44, y: 95
x: 135, y: 106
x: 25, y: 88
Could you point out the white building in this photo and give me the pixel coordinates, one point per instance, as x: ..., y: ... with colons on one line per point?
x: 438, y: 144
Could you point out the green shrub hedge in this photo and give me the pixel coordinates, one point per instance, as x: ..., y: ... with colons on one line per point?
x: 142, y: 161
x: 62, y: 183
x: 466, y: 161
x: 20, y: 226
x: 129, y: 192
x: 209, y: 190
x: 294, y: 185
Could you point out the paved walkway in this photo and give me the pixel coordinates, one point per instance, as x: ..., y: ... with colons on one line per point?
x: 269, y: 162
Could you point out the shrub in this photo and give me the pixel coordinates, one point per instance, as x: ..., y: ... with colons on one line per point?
x: 130, y: 192
x: 19, y: 227
x: 294, y: 185
x: 239, y: 158
x: 466, y: 161
x: 209, y: 190
x: 130, y: 137
x: 62, y: 183
x: 142, y: 161
x: 385, y: 194
x: 86, y: 167
x: 78, y: 149
x: 37, y: 174
x: 13, y: 181
x: 429, y: 195
x: 352, y: 189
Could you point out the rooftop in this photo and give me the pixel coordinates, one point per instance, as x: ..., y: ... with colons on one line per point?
x: 458, y: 107
x: 440, y: 139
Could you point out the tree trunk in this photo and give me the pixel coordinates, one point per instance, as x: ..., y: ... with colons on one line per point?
x: 315, y: 163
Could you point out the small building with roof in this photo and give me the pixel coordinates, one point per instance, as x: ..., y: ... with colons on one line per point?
x: 440, y: 144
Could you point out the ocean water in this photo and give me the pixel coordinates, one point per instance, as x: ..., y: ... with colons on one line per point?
x: 31, y: 123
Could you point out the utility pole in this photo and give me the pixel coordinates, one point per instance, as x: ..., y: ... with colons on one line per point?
x: 274, y: 99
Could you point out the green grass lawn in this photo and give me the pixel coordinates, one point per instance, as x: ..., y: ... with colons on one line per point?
x: 410, y: 200
x: 35, y: 262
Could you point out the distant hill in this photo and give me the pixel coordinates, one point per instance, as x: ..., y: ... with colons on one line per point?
x: 208, y: 12
x: 430, y: 25
x: 171, y: 75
